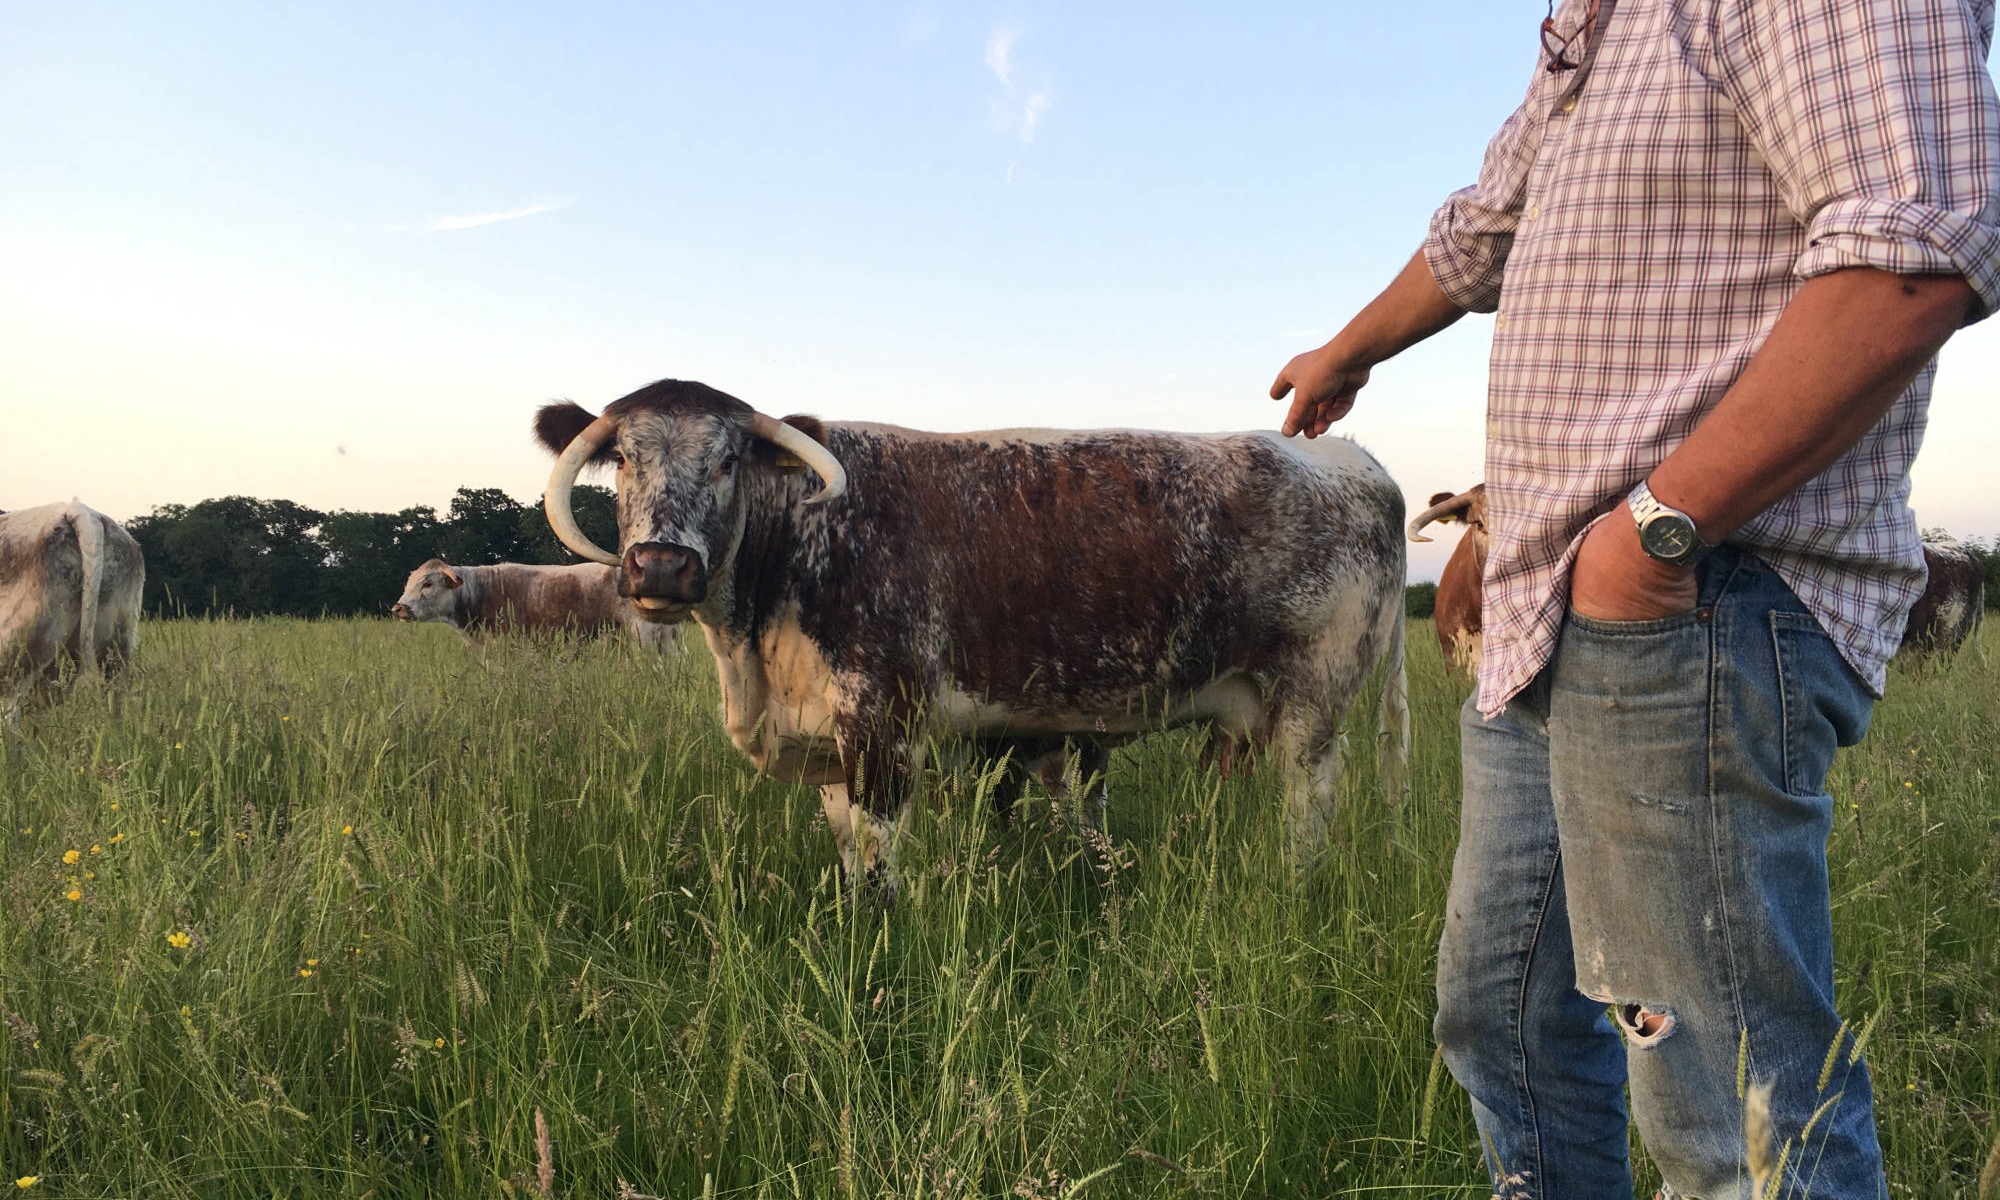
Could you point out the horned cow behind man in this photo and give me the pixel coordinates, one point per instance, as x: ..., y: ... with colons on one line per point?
x: 71, y: 580
x: 1458, y: 610
x: 524, y: 598
x: 1011, y: 587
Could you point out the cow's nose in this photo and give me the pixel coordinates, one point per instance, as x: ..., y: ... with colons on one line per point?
x: 661, y: 571
x: 400, y: 611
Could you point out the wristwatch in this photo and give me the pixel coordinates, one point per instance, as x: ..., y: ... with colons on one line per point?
x: 1667, y: 534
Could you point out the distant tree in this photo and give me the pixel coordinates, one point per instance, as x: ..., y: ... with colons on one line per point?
x: 1988, y: 556
x: 369, y: 555
x: 232, y: 555
x: 482, y: 526
x: 1420, y: 600
x: 596, y: 509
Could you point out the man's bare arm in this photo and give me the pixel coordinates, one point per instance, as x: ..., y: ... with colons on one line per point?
x: 1845, y: 347
x: 1409, y: 310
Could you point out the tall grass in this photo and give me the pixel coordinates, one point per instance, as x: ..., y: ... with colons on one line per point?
x: 359, y: 909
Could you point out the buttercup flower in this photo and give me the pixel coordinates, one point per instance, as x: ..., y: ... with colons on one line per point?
x: 27, y: 1181
x: 179, y: 939
x: 73, y: 895
x: 72, y: 857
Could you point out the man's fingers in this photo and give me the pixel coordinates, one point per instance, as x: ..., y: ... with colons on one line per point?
x: 1282, y: 384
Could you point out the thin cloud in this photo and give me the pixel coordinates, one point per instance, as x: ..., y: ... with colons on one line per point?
x: 1000, y: 54
x: 475, y: 220
x: 1031, y: 114
x: 1018, y: 110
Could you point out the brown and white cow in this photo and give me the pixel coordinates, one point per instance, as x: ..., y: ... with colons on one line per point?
x: 1015, y: 588
x: 71, y: 580
x: 1457, y: 611
x: 1953, y: 602
x: 525, y: 598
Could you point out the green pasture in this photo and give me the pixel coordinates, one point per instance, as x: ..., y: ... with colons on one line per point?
x: 343, y: 908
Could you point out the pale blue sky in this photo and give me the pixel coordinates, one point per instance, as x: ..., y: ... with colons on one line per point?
x: 338, y: 253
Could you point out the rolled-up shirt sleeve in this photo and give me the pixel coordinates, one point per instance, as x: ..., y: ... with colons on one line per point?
x: 1880, y: 124
x: 1472, y: 232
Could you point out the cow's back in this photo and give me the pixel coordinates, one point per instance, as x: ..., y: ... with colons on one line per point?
x: 1051, y: 569
x: 520, y: 598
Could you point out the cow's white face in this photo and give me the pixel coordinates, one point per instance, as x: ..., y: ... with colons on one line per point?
x: 428, y: 594
x: 678, y: 513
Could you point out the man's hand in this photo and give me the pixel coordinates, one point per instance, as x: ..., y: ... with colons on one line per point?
x: 1325, y: 381
x: 1616, y: 580
x: 1409, y: 310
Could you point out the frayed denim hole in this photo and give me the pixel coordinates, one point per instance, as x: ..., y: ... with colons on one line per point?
x: 1645, y: 1025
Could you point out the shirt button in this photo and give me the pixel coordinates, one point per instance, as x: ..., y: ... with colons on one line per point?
x: 1500, y: 322
x: 1569, y: 105
x: 1534, y: 212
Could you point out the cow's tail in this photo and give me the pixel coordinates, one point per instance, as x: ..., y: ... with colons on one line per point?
x: 1393, y: 751
x: 90, y: 546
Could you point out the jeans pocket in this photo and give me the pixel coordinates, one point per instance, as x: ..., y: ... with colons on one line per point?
x: 1603, y: 628
x: 1825, y: 706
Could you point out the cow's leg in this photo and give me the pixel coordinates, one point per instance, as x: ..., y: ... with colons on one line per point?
x: 1308, y: 745
x: 840, y: 818
x: 878, y: 759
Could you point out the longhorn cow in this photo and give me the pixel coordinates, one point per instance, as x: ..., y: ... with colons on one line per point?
x: 864, y: 588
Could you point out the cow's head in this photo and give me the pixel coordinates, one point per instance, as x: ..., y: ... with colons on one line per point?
x: 684, y: 453
x: 1468, y: 506
x: 427, y: 593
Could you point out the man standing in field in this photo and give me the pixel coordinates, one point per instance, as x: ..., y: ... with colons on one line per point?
x: 1724, y: 239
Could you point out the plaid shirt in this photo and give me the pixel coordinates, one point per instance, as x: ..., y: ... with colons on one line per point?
x: 1640, y: 222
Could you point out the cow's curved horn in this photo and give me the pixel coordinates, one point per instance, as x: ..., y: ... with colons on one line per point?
x: 555, y: 498
x: 810, y: 452
x: 1438, y: 511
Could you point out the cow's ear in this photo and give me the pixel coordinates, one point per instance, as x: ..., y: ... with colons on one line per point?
x: 452, y: 578
x: 1438, y: 498
x: 777, y: 456
x: 557, y: 425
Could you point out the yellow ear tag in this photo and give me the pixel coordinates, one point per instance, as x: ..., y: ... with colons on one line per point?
x: 790, y: 461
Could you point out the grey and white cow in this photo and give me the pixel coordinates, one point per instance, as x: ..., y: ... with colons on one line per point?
x: 71, y: 580
x: 1018, y: 588
x: 526, y: 598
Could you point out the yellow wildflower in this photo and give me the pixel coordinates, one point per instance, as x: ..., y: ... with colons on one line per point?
x: 114, y: 806
x: 27, y: 1181
x: 286, y: 717
x: 117, y: 838
x: 180, y: 939
x: 346, y: 831
x: 312, y: 962
x: 438, y: 1043
x: 72, y: 857
x: 305, y: 973
x: 73, y: 895
x: 177, y: 745
x: 95, y: 848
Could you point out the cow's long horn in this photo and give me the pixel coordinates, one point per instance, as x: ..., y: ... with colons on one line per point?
x: 810, y: 452
x: 1441, y: 509
x: 555, y: 499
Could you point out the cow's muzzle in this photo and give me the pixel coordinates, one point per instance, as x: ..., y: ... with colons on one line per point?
x: 400, y: 611
x: 659, y: 577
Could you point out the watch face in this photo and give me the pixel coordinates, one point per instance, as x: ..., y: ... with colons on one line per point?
x: 1667, y: 536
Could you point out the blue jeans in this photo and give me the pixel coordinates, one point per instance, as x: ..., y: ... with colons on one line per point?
x: 1640, y: 900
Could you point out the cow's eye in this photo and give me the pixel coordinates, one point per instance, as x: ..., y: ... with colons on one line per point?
x: 728, y: 465
x: 617, y: 457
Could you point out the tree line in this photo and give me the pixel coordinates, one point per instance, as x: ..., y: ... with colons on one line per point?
x: 240, y: 556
